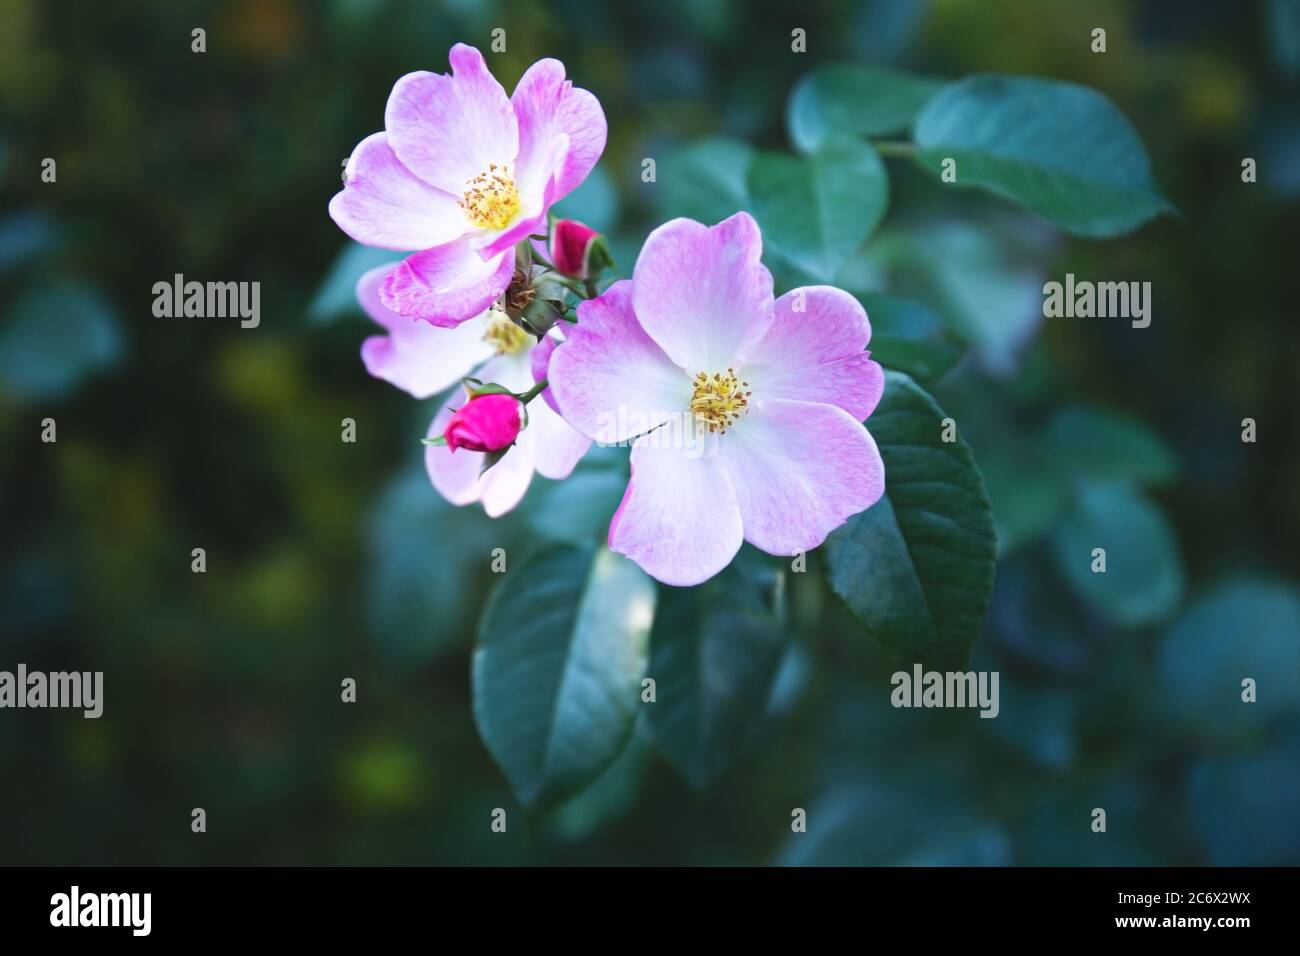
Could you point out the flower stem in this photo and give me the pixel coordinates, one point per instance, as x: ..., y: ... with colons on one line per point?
x: 533, y: 392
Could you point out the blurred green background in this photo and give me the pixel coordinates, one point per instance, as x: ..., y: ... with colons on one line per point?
x: 329, y: 560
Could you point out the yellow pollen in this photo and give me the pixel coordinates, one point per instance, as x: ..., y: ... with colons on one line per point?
x: 508, y: 338
x: 491, y: 199
x: 719, y: 399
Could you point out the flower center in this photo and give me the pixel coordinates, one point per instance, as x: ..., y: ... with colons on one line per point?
x: 491, y: 199
x: 508, y: 338
x: 719, y: 399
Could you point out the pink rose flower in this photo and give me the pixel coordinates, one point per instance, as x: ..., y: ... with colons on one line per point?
x: 464, y: 173
x: 485, y: 423
x: 570, y: 241
x: 423, y: 360
x: 744, y: 413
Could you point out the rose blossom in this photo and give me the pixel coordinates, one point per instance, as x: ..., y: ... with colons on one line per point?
x: 773, y: 392
x: 464, y: 173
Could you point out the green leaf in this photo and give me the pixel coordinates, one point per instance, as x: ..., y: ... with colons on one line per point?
x: 557, y: 668
x: 1243, y: 628
x: 855, y: 100
x: 54, y: 338
x: 916, y: 569
x: 715, y: 654
x: 612, y: 796
x: 1143, y: 580
x: 817, y: 211
x: 1060, y: 149
x: 908, y: 337
x: 986, y: 295
x: 337, y: 294
x: 491, y: 458
x: 474, y: 387
x: 1084, y: 441
x: 706, y: 180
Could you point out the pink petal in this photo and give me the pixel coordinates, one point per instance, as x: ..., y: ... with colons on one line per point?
x: 448, y: 129
x: 800, y: 470
x: 609, y: 379
x: 547, y: 104
x: 384, y: 204
x: 679, y: 519
x: 446, y: 285
x: 701, y: 292
x: 817, y: 355
x: 417, y: 357
x: 556, y: 447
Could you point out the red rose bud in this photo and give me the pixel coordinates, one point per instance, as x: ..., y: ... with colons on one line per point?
x: 571, y: 242
x: 488, y: 422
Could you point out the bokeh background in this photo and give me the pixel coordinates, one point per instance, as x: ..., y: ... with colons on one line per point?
x: 329, y: 560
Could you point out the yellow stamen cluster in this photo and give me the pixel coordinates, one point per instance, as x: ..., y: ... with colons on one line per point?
x: 719, y: 400
x: 508, y: 338
x: 491, y: 199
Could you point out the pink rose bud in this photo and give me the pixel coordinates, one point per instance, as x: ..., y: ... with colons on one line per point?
x: 485, y: 423
x: 570, y: 241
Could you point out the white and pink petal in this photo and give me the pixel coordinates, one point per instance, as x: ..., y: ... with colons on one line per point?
x: 417, y: 357
x: 536, y: 194
x: 815, y: 352
x: 556, y: 446
x: 449, y: 128
x: 609, y: 379
x: 446, y: 285
x: 800, y: 470
x: 679, y: 520
x: 384, y: 204
x: 702, y: 292
x: 547, y: 105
